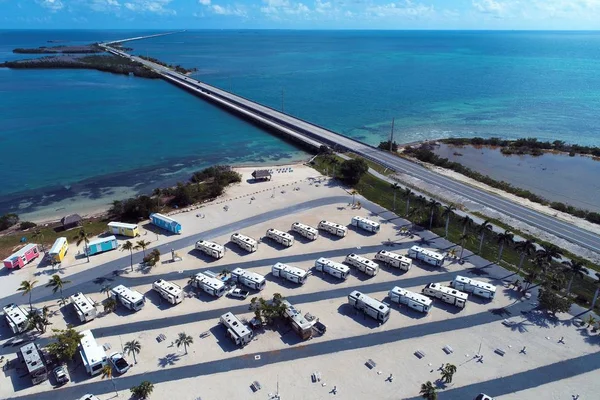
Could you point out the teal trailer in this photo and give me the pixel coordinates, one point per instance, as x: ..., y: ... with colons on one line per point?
x: 101, y: 245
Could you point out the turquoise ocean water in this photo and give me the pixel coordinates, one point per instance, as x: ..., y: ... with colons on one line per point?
x: 65, y: 133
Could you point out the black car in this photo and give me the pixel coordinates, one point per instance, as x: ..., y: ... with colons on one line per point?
x: 320, y: 328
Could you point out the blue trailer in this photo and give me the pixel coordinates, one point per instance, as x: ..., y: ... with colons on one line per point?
x: 162, y: 221
x: 101, y: 245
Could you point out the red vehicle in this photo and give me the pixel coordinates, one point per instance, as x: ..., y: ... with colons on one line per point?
x: 22, y: 257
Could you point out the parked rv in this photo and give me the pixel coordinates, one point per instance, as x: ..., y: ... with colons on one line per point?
x: 164, y: 222
x: 245, y: 242
x: 209, y: 284
x: 101, y: 245
x: 478, y: 288
x: 131, y: 299
x: 363, y: 264
x: 446, y: 294
x: 212, y: 249
x: 413, y: 300
x: 292, y: 274
x: 427, y: 256
x: 239, y: 333
x: 300, y: 325
x: 32, y: 356
x: 22, y: 257
x: 16, y: 318
x: 168, y: 291
x: 307, y: 231
x: 58, y: 250
x: 369, y: 306
x: 123, y: 229
x: 365, y: 224
x: 333, y: 228
x: 92, y: 355
x: 280, y: 237
x: 248, y: 278
x: 84, y: 307
x: 333, y: 268
x: 394, y: 259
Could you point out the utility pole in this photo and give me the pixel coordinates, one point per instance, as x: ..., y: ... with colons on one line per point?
x: 392, y: 135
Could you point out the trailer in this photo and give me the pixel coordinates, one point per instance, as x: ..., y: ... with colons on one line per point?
x: 164, y: 222
x: 131, y: 299
x: 84, y: 307
x: 245, y: 242
x: 211, y: 285
x: 427, y: 256
x: 300, y: 325
x: 369, y: 306
x: 413, y: 300
x: 212, y: 249
x: 92, y: 355
x: 478, y: 288
x: 249, y: 279
x: 58, y: 250
x: 168, y: 291
x: 365, y: 224
x: 101, y: 245
x: 280, y: 237
x: 16, y: 318
x: 333, y: 228
x: 239, y: 333
x: 22, y: 257
x: 123, y: 229
x: 32, y: 356
x: 292, y: 274
x: 363, y: 264
x: 333, y: 268
x: 446, y: 294
x: 307, y: 231
x: 394, y: 259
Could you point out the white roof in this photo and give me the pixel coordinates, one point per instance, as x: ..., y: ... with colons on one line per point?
x: 365, y: 220
x: 82, y: 303
x: 90, y: 351
x: 130, y: 295
x: 163, y: 217
x: 21, y: 252
x: 244, y: 238
x: 58, y: 244
x: 210, y: 245
x: 336, y: 225
x: 122, y: 225
x: 429, y: 253
x: 448, y: 290
x: 419, y: 298
x: 296, y: 316
x: 332, y: 264
x: 15, y: 314
x: 232, y: 322
x: 280, y: 233
x: 475, y: 283
x: 363, y: 260
x: 304, y: 227
x: 168, y: 287
x: 290, y: 270
x: 251, y: 276
x: 395, y: 256
x: 214, y: 283
x: 376, y: 304
x: 102, y: 240
x: 31, y: 356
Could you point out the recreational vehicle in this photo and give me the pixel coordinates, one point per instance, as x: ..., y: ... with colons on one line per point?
x: 211, y: 285
x: 59, y: 250
x: 212, y: 249
x: 394, y: 259
x: 300, y: 324
x: 22, y: 257
x: 16, y: 318
x: 101, y: 245
x: 123, y: 229
x: 168, y: 291
x: 84, y: 307
x: 32, y: 356
x: 249, y: 279
x: 427, y: 256
x: 371, y: 307
x: 131, y: 299
x: 292, y: 274
x: 307, y: 231
x: 164, y: 222
x: 478, y: 288
x: 333, y: 228
x: 245, y: 242
x: 446, y: 294
x: 236, y: 329
x: 280, y: 237
x: 92, y: 355
x: 365, y: 224
x: 363, y: 264
x: 333, y: 268
x: 413, y: 300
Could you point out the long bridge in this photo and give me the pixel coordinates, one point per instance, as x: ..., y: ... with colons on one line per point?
x: 313, y: 135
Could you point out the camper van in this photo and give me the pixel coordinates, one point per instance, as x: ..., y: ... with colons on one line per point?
x: 333, y: 268
x: 123, y: 229
x: 363, y: 264
x: 292, y: 274
x: 164, y: 222
x: 249, y: 279
x: 33, y: 358
x: 245, y: 242
x: 92, y: 355
x: 84, y: 307
x: 446, y: 294
x: 16, y: 318
x: 280, y: 237
x: 22, y: 257
x: 371, y: 307
x: 212, y: 249
x: 394, y: 259
x: 300, y: 325
x: 58, y: 250
x: 427, y: 256
x: 478, y: 288
x: 413, y: 300
x: 239, y: 333
x: 211, y: 285
x: 365, y: 224
x: 333, y: 228
x: 168, y: 291
x: 307, y: 231
x: 131, y: 299
x: 101, y: 245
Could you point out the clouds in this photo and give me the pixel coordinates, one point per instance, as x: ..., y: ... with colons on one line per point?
x: 150, y: 6
x: 489, y: 6
x: 228, y: 10
x: 52, y: 5
x: 407, y: 8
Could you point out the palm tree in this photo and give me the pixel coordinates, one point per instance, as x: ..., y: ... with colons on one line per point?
x: 433, y: 207
x: 62, y: 302
x: 548, y: 253
x: 525, y: 247
x: 39, y: 320
x: 57, y: 284
x: 142, y: 244
x: 464, y: 238
x: 143, y: 390
x: 157, y: 192
x: 415, y: 213
x: 83, y: 237
x: 448, y: 372
x: 466, y: 222
x: 576, y: 268
x: 530, y: 279
x: 428, y: 391
x: 133, y: 347
x: 27, y: 287
x: 39, y: 234
x: 448, y: 210
x: 106, y: 289
x: 107, y: 373
x: 506, y: 238
x: 596, y: 292
x: 407, y: 193
x: 128, y: 246
x: 395, y: 188
x: 184, y: 340
x: 485, y: 226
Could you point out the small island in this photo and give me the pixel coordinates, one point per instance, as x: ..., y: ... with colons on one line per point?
x: 85, y: 49
x: 176, y: 68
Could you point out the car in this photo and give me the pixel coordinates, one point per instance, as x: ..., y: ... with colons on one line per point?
x: 61, y: 374
x: 482, y: 396
x: 89, y: 397
x: 119, y: 362
x: 320, y: 327
x: 239, y: 293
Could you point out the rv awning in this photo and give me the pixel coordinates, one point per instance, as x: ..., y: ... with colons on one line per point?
x: 261, y: 174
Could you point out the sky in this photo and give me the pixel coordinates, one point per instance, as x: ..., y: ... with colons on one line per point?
x: 301, y: 14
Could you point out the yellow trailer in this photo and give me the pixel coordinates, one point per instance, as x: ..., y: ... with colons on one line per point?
x: 59, y: 249
x: 123, y: 229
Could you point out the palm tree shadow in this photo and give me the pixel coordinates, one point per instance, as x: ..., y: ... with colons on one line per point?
x: 521, y: 326
x: 477, y: 271
x: 542, y: 319
x: 102, y: 280
x: 502, y: 312
x: 169, y: 359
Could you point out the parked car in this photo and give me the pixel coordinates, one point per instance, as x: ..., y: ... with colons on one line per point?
x: 61, y: 374
x: 320, y: 327
x: 89, y: 397
x: 239, y: 293
x: 482, y: 396
x: 119, y: 362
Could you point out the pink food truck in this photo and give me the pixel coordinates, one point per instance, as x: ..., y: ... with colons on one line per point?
x: 22, y: 257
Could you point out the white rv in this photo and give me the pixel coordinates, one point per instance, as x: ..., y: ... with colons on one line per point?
x: 131, y: 299
x: 365, y: 224
x: 300, y: 324
x: 371, y: 307
x: 168, y: 291
x: 280, y: 237
x: 211, y: 285
x: 245, y: 242
x: 84, y: 307
x: 16, y: 318
x: 92, y: 355
x: 214, y: 250
x: 413, y: 300
x: 307, y: 231
x: 446, y: 294
x: 333, y: 268
x: 394, y: 259
x: 292, y: 274
x: 236, y: 329
x: 363, y: 264
x: 478, y: 288
x: 427, y: 256
x: 249, y: 279
x: 333, y: 228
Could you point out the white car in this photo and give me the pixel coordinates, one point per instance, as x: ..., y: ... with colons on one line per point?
x: 239, y: 293
x: 119, y: 362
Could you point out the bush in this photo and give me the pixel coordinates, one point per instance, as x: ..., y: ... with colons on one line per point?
x: 386, y: 146
x: 8, y: 220
x: 352, y: 170
x: 553, y: 303
x: 26, y: 225
x: 65, y: 346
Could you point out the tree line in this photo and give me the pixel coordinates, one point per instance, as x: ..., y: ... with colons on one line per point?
x: 531, y: 146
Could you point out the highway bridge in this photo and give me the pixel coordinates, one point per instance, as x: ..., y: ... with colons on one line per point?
x: 314, y: 136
